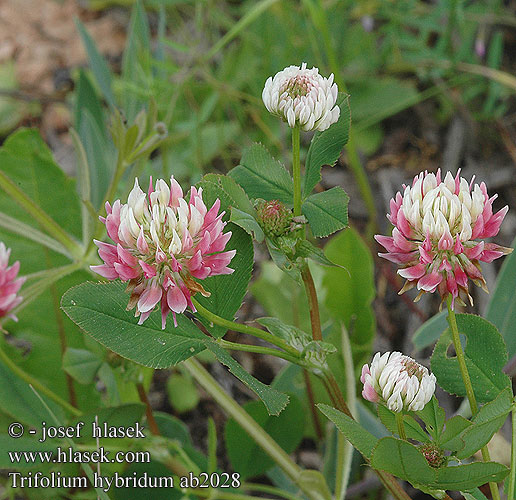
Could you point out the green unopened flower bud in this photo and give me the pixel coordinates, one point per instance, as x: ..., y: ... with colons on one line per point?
x: 433, y: 454
x: 274, y: 217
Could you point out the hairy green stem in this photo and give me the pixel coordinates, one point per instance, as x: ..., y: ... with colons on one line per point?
x: 253, y: 429
x: 37, y: 385
x: 249, y: 330
x: 452, y: 321
x: 401, y: 426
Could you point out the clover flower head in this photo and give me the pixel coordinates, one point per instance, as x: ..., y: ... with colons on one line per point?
x: 438, y: 237
x: 302, y: 96
x: 162, y: 245
x: 275, y: 218
x: 9, y: 284
x: 397, y: 381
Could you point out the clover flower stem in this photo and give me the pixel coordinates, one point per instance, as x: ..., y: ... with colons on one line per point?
x: 313, y: 302
x: 452, y: 321
x: 142, y: 394
x: 37, y: 385
x: 512, y: 479
x: 296, y: 168
x: 401, y: 426
x: 235, y: 346
x: 249, y: 330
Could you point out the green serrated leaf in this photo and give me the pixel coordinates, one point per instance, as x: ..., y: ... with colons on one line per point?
x: 412, y: 428
x: 451, y: 439
x: 248, y: 223
x: 237, y: 196
x: 485, y: 423
x: 282, y: 261
x: 100, y: 310
x: 465, y: 477
x: 262, y: 176
x: 326, y: 212
x: 326, y: 146
x: 359, y: 437
x: 433, y: 416
x: 286, y: 332
x: 310, y: 251
x: 274, y: 401
x: 485, y: 355
x: 403, y: 460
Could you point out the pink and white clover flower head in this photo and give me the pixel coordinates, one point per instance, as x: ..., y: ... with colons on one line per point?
x: 9, y: 284
x: 162, y: 245
x: 398, y: 382
x: 302, y: 97
x: 440, y: 228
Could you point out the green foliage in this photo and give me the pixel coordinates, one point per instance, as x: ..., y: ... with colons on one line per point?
x: 325, y: 147
x: 98, y: 64
x: 501, y: 310
x: 136, y: 61
x: 182, y: 393
x: 486, y: 422
x: 430, y: 330
x: 90, y: 124
x: 99, y: 309
x: 433, y: 416
x: 485, y: 354
x: 326, y: 212
x: 405, y: 461
x: 350, y: 290
x: 248, y: 223
x: 286, y: 430
x: 412, y: 428
x: 81, y: 364
x: 451, y: 438
x: 221, y: 302
x: 262, y: 176
x: 360, y: 438
x: 18, y: 400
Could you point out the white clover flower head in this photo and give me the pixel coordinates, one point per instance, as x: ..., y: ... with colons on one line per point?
x: 397, y: 381
x: 440, y: 228
x: 302, y: 96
